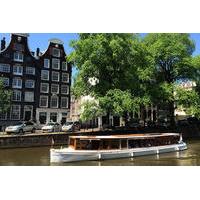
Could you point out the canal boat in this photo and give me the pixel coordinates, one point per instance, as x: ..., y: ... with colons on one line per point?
x: 94, y: 147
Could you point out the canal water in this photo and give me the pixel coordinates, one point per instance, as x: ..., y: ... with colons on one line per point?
x: 39, y: 156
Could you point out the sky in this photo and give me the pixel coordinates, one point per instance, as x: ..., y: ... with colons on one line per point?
x: 41, y: 40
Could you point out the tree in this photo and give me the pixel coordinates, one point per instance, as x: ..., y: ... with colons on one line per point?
x: 111, y: 58
x: 90, y: 110
x: 120, y: 62
x: 4, y: 98
x: 172, y: 55
x: 189, y: 100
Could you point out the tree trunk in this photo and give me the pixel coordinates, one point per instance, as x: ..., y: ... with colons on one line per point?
x: 171, y: 113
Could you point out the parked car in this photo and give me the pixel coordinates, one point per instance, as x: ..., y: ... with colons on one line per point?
x: 163, y: 123
x: 192, y: 120
x: 71, y: 126
x: 51, y: 127
x: 21, y: 127
x: 134, y: 123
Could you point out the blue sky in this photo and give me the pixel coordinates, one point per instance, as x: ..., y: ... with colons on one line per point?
x: 41, y: 40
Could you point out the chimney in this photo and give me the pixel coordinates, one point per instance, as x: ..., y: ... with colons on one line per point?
x: 37, y: 52
x: 3, y: 43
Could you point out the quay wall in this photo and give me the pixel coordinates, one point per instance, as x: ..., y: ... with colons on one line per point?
x: 33, y: 140
x: 49, y: 139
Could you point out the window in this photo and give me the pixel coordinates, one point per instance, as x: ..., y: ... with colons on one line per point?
x: 64, y: 102
x: 15, y: 112
x: 53, y: 117
x: 54, y: 89
x: 45, y: 75
x: 43, y: 101
x: 3, y: 115
x: 29, y: 83
x: 17, y: 70
x: 55, y: 76
x: 29, y: 97
x: 65, y: 77
x: 64, y: 89
x: 43, y: 117
x: 44, y: 87
x: 16, y: 95
x: 5, y: 81
x: 56, y: 52
x: 17, y: 83
x: 4, y: 67
x: 30, y: 70
x: 64, y: 66
x: 55, y: 63
x: 46, y: 63
x: 54, y: 102
x: 18, y: 56
x: 18, y: 47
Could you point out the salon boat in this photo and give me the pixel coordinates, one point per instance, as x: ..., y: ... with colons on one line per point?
x: 81, y: 148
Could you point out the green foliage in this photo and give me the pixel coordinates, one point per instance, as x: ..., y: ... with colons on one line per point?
x: 132, y: 72
x: 111, y: 58
x: 91, y: 110
x: 190, y: 100
x: 4, y: 98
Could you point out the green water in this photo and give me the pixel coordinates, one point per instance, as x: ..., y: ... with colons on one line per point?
x: 39, y: 156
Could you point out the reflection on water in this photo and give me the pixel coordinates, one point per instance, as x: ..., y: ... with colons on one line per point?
x: 40, y: 156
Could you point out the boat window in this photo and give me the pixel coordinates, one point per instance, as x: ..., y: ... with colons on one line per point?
x: 106, y: 144
x: 71, y: 142
x: 95, y: 144
x: 114, y: 144
x: 123, y: 143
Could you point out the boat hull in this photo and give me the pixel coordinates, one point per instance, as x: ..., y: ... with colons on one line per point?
x: 67, y: 155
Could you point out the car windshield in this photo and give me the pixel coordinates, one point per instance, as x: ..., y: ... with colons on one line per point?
x: 18, y: 124
x: 68, y: 123
x: 50, y: 124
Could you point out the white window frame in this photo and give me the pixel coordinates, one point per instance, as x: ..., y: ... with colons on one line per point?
x: 29, y: 81
x: 66, y: 98
x: 54, y: 96
x: 67, y: 77
x: 17, y: 86
x: 4, y: 68
x: 54, y: 54
x: 62, y: 89
x: 18, y: 56
x: 55, y: 85
x: 53, y: 72
x: 30, y: 70
x: 19, y: 114
x: 53, y: 61
x: 15, y: 99
x: 42, y: 78
x: 18, y: 72
x: 48, y: 61
x: 43, y: 90
x: 41, y: 96
x: 64, y: 66
x: 27, y: 94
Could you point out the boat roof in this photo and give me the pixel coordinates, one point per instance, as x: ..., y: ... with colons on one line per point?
x: 122, y: 136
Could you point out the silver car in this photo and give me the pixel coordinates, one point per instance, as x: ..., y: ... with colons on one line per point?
x: 21, y: 128
x: 51, y: 127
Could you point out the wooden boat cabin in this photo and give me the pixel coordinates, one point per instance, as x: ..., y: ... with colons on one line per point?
x: 122, y: 141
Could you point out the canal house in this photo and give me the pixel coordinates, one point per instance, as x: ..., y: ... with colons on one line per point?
x: 55, y: 81
x: 40, y: 82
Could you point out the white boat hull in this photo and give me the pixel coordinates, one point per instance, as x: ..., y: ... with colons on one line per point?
x: 70, y: 155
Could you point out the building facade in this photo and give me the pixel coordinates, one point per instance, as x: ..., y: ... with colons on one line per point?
x: 40, y: 83
x: 55, y: 81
